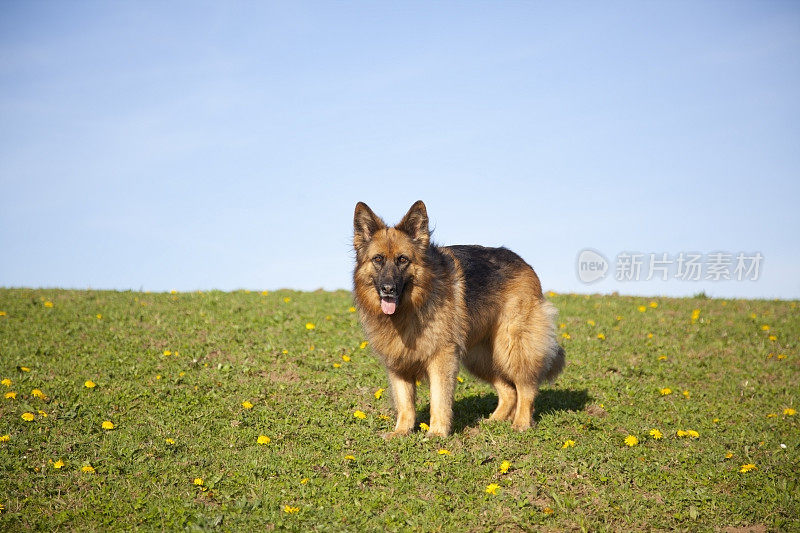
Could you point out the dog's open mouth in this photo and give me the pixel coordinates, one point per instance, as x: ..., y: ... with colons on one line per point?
x: 388, y: 305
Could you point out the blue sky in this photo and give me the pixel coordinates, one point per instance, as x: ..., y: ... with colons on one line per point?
x: 158, y: 146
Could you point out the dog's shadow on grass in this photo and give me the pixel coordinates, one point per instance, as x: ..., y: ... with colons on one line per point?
x: 469, y: 411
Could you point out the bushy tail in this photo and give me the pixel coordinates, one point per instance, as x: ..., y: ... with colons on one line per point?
x: 557, y: 362
x: 556, y: 356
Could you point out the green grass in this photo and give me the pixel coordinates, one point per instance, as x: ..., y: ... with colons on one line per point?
x: 245, y: 346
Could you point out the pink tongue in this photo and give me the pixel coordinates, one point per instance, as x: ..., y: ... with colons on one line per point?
x: 388, y: 306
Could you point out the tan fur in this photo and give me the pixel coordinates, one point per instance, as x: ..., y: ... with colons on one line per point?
x: 511, y: 343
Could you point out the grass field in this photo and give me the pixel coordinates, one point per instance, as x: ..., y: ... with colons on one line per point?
x: 253, y: 411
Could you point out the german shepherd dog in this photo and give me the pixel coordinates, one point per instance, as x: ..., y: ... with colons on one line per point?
x: 426, y: 308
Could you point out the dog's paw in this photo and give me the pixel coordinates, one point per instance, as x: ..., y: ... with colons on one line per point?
x: 396, y: 433
x: 522, y: 426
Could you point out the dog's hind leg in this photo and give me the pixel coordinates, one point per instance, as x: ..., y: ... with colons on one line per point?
x: 507, y: 400
x: 526, y: 395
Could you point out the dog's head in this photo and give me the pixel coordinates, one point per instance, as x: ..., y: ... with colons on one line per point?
x: 389, y: 259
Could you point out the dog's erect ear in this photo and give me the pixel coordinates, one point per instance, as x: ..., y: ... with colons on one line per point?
x: 365, y: 224
x: 415, y: 224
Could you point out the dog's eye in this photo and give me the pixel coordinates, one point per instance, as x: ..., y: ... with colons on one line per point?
x: 378, y: 259
x: 402, y: 260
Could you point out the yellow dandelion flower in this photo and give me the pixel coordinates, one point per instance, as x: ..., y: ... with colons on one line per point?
x: 773, y: 338
x: 568, y: 444
x: 346, y: 358
x: 89, y: 384
x: 89, y: 469
x: 28, y: 417
x: 384, y: 417
x: 748, y: 467
x: 662, y: 357
x: 379, y: 393
x: 351, y: 309
x: 547, y: 510
x: 631, y: 440
x: 310, y: 325
x: 686, y: 393
x: 173, y: 291
x: 304, y: 481
x: 181, y: 374
x: 363, y: 344
x: 107, y: 424
x: 263, y: 439
x: 158, y: 376
x: 695, y: 315
x: 48, y: 303
x: 789, y: 411
x: 98, y: 316
x: 771, y: 415
x: 247, y: 405
x: 198, y: 481
x: 36, y: 393
x: 58, y: 464
x: 423, y: 426
x: 618, y: 317
x: 728, y: 455
x: 781, y: 356
x: 6, y: 382
x: 656, y: 434
x: 42, y: 413
x: 170, y: 441
x: 692, y: 434
x: 25, y: 369
x: 601, y: 336
x: 264, y: 293
x: 504, y: 466
x: 642, y: 309
x: 653, y: 304
x: 311, y: 348
x: 337, y: 365
x: 5, y: 438
x: 2, y: 313
x: 492, y: 488
x: 765, y: 327
x: 716, y: 420
x: 562, y: 325
x: 11, y: 395
x: 360, y: 414
x: 590, y: 322
x: 681, y: 433
x: 349, y: 458
x: 286, y: 300
x: 285, y: 351
x: 167, y: 353
x: 550, y: 294
x: 289, y: 509
x: 649, y: 335
x: 566, y: 335
x: 665, y: 391
x: 443, y: 452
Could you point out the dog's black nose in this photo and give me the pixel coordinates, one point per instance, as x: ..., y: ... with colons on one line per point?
x: 387, y: 290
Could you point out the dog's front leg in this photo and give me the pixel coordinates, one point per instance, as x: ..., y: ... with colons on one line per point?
x: 442, y: 373
x: 404, y: 394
